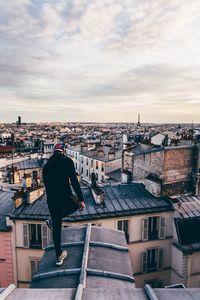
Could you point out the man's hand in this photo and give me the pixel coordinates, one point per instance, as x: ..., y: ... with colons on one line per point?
x: 81, y: 205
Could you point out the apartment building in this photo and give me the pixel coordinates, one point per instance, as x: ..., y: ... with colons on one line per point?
x: 7, y: 250
x: 186, y: 245
x: 30, y: 167
x: 145, y: 219
x: 167, y: 171
x: 100, y: 160
x: 29, y: 238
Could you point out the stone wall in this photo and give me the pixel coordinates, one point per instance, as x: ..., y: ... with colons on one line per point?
x: 148, y: 163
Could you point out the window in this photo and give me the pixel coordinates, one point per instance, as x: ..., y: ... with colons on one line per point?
x: 34, y: 265
x: 152, y: 260
x: 35, y: 236
x: 123, y: 225
x: 87, y: 173
x: 97, y: 166
x: 87, y: 161
x: 91, y: 163
x: 102, y: 167
x: 153, y: 228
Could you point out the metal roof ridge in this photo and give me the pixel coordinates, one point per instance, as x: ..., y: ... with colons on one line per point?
x: 110, y: 275
x: 83, y: 275
x: 109, y: 245
x: 68, y: 244
x: 149, y: 292
x: 50, y: 274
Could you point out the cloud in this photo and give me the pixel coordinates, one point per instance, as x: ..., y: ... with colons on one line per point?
x: 108, y: 57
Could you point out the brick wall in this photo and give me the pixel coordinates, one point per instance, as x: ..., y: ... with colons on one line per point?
x: 6, y: 260
x: 173, y: 166
x: 177, y: 172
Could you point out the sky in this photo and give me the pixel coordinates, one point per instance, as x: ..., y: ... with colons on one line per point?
x: 100, y: 60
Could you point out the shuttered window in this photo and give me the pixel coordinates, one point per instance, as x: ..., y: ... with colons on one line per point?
x: 35, y: 236
x: 34, y: 265
x: 153, y: 228
x: 124, y: 226
x: 145, y: 226
x: 160, y: 258
x: 144, y: 261
x: 45, y: 236
x: 152, y: 260
x: 162, y: 228
x: 26, y: 235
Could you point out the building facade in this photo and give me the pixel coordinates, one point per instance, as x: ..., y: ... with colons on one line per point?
x: 145, y: 219
x: 167, y: 171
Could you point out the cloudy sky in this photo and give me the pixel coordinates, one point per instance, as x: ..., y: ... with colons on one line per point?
x: 100, y: 60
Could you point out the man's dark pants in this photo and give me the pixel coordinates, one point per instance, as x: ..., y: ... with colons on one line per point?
x: 57, y: 214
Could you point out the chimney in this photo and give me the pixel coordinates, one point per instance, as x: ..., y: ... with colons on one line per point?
x: 27, y: 181
x: 20, y: 196
x: 126, y: 176
x: 97, y: 193
x: 100, y: 153
x: 34, y: 195
x: 111, y: 155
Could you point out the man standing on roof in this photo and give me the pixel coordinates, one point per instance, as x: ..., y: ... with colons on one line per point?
x: 58, y: 176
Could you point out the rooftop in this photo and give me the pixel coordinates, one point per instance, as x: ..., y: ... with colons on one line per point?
x: 97, y: 257
x: 6, y: 206
x: 189, y: 206
x: 28, y: 164
x: 119, y: 200
x: 98, y: 267
x: 187, y: 223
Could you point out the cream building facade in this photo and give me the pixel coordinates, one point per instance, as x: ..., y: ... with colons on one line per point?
x: 148, y: 234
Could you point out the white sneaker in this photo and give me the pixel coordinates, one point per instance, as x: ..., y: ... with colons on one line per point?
x: 61, y: 258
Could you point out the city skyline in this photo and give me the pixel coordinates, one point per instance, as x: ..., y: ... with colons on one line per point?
x: 100, y: 61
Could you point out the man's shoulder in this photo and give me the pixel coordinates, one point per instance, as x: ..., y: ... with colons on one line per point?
x: 67, y: 159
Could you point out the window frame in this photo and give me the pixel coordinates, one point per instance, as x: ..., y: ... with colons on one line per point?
x: 127, y: 234
x: 159, y: 254
x: 161, y: 228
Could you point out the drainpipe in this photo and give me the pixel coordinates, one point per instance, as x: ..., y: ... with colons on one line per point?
x: 189, y: 263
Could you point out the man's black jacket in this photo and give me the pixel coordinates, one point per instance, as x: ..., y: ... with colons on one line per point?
x: 58, y: 172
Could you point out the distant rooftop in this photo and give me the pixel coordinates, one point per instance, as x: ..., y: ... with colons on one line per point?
x: 28, y: 164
